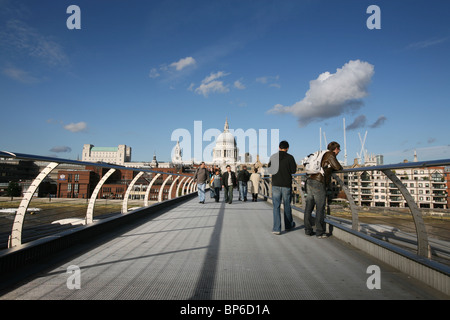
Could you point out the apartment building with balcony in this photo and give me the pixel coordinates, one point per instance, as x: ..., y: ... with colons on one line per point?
x: 428, y: 187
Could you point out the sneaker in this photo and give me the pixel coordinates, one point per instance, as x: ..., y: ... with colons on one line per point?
x: 310, y: 233
x: 322, y: 236
x: 276, y: 232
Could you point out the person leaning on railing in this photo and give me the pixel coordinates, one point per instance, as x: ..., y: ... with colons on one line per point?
x: 316, y: 186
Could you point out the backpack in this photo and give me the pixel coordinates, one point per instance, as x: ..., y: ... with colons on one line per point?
x: 313, y: 162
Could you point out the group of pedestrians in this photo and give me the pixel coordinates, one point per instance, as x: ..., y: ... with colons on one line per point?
x: 229, y: 181
x: 281, y: 166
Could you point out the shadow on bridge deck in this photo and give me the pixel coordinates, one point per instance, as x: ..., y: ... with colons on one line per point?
x: 216, y: 251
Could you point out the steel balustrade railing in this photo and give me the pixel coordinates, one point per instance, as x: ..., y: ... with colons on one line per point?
x: 186, y: 186
x: 422, y: 241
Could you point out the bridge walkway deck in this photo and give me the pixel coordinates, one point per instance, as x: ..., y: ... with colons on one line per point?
x: 217, y: 251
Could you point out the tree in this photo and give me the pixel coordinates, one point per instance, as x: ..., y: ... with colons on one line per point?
x: 14, y: 189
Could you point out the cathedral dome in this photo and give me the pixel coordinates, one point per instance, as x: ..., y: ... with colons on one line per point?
x: 226, y: 139
x: 225, y: 151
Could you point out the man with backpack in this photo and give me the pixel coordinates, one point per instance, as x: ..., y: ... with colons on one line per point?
x: 319, y: 167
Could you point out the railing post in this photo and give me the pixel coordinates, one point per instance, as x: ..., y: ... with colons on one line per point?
x: 266, y: 189
x: 127, y: 193
x: 147, y: 193
x: 185, y: 186
x: 171, y: 188
x: 16, y: 233
x: 180, y: 185
x: 190, y: 186
x: 161, y: 189
x: 91, y: 205
x: 423, y: 248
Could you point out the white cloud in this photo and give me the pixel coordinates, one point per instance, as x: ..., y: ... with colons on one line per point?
x: 76, y: 127
x: 427, y: 43
x: 169, y: 69
x: 270, y: 80
x: 20, y: 75
x: 239, y: 85
x: 183, y: 63
x: 330, y: 95
x: 154, y: 73
x: 214, y: 76
x: 211, y: 85
x: 23, y: 39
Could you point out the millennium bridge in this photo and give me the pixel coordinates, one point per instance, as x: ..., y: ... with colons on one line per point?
x: 164, y: 245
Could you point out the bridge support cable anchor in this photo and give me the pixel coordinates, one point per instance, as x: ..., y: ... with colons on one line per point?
x: 91, y: 205
x: 127, y: 193
x: 423, y: 247
x: 16, y: 234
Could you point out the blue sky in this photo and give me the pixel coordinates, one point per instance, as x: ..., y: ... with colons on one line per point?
x: 137, y: 71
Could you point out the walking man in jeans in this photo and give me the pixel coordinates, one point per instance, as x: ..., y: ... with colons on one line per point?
x: 316, y: 186
x: 282, y: 166
x: 201, y: 176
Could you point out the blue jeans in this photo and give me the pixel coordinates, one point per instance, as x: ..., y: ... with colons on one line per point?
x: 201, y: 191
x: 315, y: 196
x: 280, y: 194
x: 243, y: 190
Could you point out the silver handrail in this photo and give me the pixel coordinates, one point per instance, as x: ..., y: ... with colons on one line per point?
x: 15, y: 238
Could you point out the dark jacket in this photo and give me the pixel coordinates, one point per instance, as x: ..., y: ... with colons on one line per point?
x: 225, y: 179
x: 329, y: 164
x: 243, y: 175
x: 287, y: 167
x: 201, y: 175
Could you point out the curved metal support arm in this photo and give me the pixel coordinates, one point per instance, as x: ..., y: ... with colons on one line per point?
x: 127, y: 193
x: 161, y: 189
x: 171, y: 188
x: 180, y: 185
x: 91, y: 205
x: 16, y: 233
x: 147, y: 193
x: 189, y: 186
x: 423, y: 247
x: 351, y: 201
x: 185, y: 186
